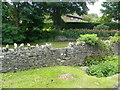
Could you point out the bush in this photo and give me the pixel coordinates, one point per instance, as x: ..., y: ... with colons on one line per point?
x: 101, y: 27
x: 105, y: 69
x: 103, y: 45
x: 11, y: 34
x: 79, y: 25
x: 84, y: 25
x: 109, y: 66
x: 93, y: 60
x: 75, y: 33
x: 91, y: 39
x: 115, y: 38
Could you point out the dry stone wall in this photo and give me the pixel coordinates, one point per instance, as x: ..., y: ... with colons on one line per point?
x: 44, y: 56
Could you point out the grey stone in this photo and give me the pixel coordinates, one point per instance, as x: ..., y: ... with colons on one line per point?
x: 85, y: 68
x: 61, y: 38
x: 45, y: 56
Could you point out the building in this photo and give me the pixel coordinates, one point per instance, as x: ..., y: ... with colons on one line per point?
x: 73, y: 18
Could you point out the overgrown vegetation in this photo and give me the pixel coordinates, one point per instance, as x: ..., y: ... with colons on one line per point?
x: 102, y: 66
x: 24, y: 21
x: 115, y: 38
x: 35, y: 21
x: 101, y: 27
x: 84, y: 25
x: 93, y: 60
x: 104, y: 69
x: 92, y: 39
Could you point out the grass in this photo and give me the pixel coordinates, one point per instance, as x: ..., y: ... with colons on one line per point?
x: 47, y: 77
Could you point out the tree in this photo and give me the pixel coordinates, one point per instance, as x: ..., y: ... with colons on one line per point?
x: 56, y: 10
x: 104, y: 19
x: 111, y: 9
x: 10, y: 29
x: 90, y: 17
x: 20, y: 20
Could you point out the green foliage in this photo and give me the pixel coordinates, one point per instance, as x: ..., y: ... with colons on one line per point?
x: 56, y: 10
x: 91, y: 39
x: 104, y: 69
x: 93, y: 60
x: 84, y: 25
x: 90, y: 17
x: 74, y: 33
x: 115, y: 38
x: 101, y: 27
x: 103, y: 45
x: 11, y: 34
x: 104, y: 19
x: 79, y: 25
x: 21, y: 21
x: 111, y: 9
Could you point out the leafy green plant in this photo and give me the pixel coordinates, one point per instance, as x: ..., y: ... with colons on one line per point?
x: 11, y: 34
x: 91, y: 39
x: 106, y: 66
x: 93, y: 60
x: 104, y: 69
x: 101, y: 27
x: 115, y: 38
x: 103, y: 45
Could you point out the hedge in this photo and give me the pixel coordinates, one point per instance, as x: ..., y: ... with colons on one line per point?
x: 83, y: 25
x: 75, y: 33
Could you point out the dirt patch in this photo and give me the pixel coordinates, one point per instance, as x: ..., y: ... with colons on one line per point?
x: 66, y: 76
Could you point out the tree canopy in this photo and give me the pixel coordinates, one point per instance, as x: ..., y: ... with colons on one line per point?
x: 90, y: 17
x: 104, y: 19
x: 56, y: 10
x: 111, y: 9
x: 20, y: 20
x: 23, y: 21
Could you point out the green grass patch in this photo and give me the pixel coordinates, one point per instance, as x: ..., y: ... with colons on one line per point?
x: 47, y: 77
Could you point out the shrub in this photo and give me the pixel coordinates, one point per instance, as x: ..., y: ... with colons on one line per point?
x: 11, y: 34
x: 91, y: 39
x: 103, y: 45
x: 75, y: 33
x: 101, y: 27
x: 105, y: 69
x: 84, y: 25
x: 93, y: 60
x: 115, y: 38
x: 109, y: 66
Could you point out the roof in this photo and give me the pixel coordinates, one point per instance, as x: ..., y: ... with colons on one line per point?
x: 74, y: 16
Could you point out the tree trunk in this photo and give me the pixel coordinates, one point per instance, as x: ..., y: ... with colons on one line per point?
x: 57, y: 20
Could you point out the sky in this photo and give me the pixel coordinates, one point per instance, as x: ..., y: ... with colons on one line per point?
x: 96, y: 7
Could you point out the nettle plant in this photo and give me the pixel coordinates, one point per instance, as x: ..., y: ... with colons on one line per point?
x: 93, y: 40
